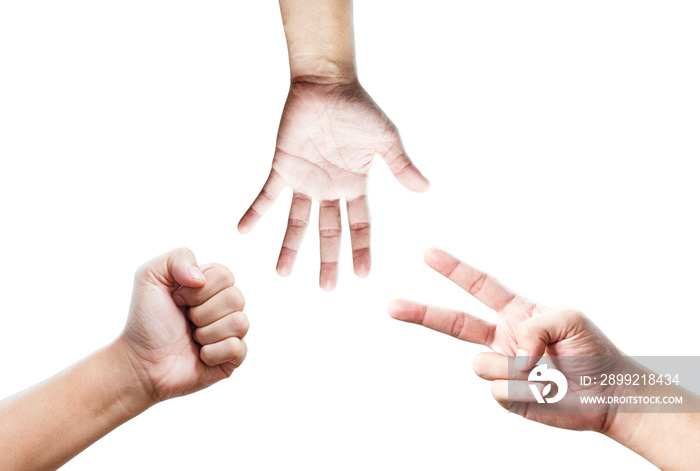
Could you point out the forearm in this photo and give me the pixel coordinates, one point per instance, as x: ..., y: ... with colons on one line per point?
x: 666, y: 439
x: 44, y: 427
x: 320, y: 40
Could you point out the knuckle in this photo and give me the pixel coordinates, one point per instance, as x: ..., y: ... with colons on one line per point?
x: 569, y: 314
x: 234, y: 299
x: 206, y: 356
x: 302, y: 198
x: 457, y: 326
x: 297, y: 223
x: 329, y: 203
x: 478, y: 284
x: 330, y: 233
x: 266, y: 195
x: 195, y: 315
x: 235, y: 348
x: 360, y: 253
x: 141, y: 271
x: 359, y: 226
x: 147, y: 269
x: 575, y: 314
x: 358, y: 199
x: 405, y: 167
x: 244, y: 353
x: 182, y: 252
x: 224, y: 274
x: 240, y: 323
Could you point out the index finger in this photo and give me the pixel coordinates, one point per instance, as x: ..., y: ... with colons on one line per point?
x: 448, y: 321
x: 481, y: 285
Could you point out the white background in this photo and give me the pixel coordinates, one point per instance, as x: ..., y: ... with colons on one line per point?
x: 561, y: 140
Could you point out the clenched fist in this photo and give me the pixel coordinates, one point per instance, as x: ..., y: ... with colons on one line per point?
x: 186, y: 326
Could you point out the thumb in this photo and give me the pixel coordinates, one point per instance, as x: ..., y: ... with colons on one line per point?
x: 403, y: 168
x: 182, y: 267
x: 536, y: 333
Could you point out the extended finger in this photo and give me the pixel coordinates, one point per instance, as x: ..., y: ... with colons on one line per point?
x: 266, y: 198
x: 448, y: 321
x: 231, y: 350
x: 232, y: 325
x: 403, y: 168
x: 481, y: 285
x: 221, y: 304
x: 296, y: 227
x: 218, y: 278
x: 329, y: 229
x: 358, y: 218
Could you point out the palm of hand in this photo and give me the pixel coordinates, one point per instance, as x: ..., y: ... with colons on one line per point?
x: 160, y: 336
x: 504, y: 338
x: 327, y: 139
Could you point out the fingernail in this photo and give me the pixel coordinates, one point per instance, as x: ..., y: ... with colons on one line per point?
x: 196, y: 273
x: 521, y: 357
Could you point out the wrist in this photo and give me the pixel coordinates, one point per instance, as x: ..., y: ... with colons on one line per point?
x: 135, y: 391
x: 622, y: 427
x: 629, y: 425
x: 322, y: 69
x: 623, y: 422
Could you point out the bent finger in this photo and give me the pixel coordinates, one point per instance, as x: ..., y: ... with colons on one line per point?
x: 508, y: 393
x: 221, y: 304
x: 491, y: 366
x: 232, y: 325
x: 218, y: 278
x: 231, y: 350
x: 536, y: 333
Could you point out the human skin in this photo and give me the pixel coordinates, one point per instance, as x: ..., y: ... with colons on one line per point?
x: 529, y: 331
x: 184, y: 333
x: 329, y: 134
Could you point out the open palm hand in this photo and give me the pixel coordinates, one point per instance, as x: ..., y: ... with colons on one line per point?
x: 328, y: 136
